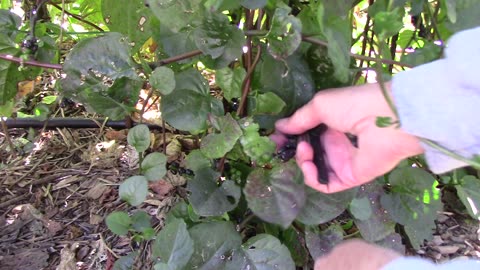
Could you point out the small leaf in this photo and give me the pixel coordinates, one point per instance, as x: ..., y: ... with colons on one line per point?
x: 230, y: 81
x: 360, y: 208
x: 213, y: 242
x: 163, y: 79
x: 285, y: 34
x: 276, y: 195
x: 259, y: 148
x: 154, y: 166
x: 320, y: 208
x: 469, y: 193
x: 134, y: 190
x: 384, y: 121
x: 173, y: 245
x: 217, y: 145
x: 141, y: 221
x: 118, y: 222
x: 139, y: 137
x: 208, y: 198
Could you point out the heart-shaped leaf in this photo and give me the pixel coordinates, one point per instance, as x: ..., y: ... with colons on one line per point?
x: 134, y: 190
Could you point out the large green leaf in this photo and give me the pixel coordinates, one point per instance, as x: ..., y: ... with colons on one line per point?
x: 379, y: 224
x: 264, y: 251
x: 214, y: 245
x: 276, y: 195
x: 217, y: 145
x: 413, y: 202
x: 210, y: 199
x: 176, y: 15
x: 220, y: 40
x: 266, y: 104
x: 132, y: 19
x: 173, y: 244
x: 469, y: 193
x: 188, y: 106
x: 320, y: 208
x: 285, y: 34
x: 100, y: 73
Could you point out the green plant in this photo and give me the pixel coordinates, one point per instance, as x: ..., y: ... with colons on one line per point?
x: 247, y: 208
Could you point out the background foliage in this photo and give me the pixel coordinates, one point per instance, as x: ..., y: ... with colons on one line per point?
x: 268, y: 57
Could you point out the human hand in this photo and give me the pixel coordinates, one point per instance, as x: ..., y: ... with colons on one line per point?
x: 349, y: 110
x: 358, y: 255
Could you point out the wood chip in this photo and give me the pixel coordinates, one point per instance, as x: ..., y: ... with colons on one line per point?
x: 446, y: 250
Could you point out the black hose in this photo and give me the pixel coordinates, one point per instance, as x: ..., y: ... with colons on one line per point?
x: 75, y: 123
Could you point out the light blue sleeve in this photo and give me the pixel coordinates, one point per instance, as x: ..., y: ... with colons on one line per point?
x: 440, y: 101
x: 414, y: 263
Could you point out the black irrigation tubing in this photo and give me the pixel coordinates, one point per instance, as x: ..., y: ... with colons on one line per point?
x: 74, y: 123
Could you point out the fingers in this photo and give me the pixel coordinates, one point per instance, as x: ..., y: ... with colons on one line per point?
x: 305, y: 118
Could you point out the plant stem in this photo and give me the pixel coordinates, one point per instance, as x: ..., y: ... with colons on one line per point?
x: 34, y: 63
x: 179, y: 57
x: 382, y: 85
x: 77, y: 17
x: 451, y: 153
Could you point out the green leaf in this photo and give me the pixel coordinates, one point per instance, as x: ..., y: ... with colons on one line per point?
x: 360, y: 208
x: 467, y: 15
x: 321, y: 243
x: 9, y: 73
x: 253, y: 4
x: 49, y: 100
x: 208, y: 198
x: 189, y: 105
x: 469, y: 193
x: 276, y: 195
x: 388, y: 23
x: 413, y: 202
x: 154, y: 166
x: 125, y: 262
x: 264, y: 251
x: 294, y: 241
x: 163, y: 79
x: 217, y: 38
x: 292, y: 81
x: 285, y: 34
x: 9, y: 23
x: 196, y: 160
x: 139, y: 137
x: 384, y: 121
x: 268, y: 103
x: 217, y: 145
x: 393, y: 241
x: 336, y: 27
x: 134, y: 190
x: 100, y: 74
x: 173, y: 245
x: 260, y: 149
x: 132, y: 20
x: 220, y: 5
x: 162, y: 266
x: 118, y: 222
x: 6, y: 110
x: 214, y: 243
x: 230, y: 81
x: 141, y: 221
x: 320, y: 208
x: 176, y: 15
x: 379, y: 225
